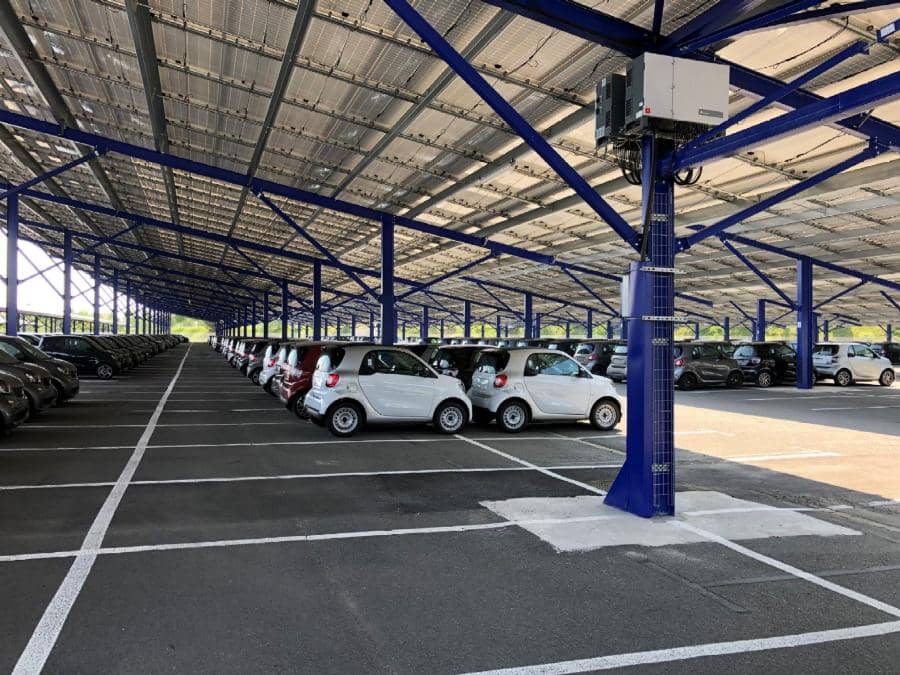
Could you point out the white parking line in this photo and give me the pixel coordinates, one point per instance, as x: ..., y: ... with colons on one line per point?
x: 856, y: 407
x: 773, y: 458
x: 884, y: 502
x: 47, y: 631
x: 304, y: 476
x: 512, y: 458
x: 700, y: 651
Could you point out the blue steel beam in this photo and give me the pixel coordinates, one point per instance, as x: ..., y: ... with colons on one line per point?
x: 758, y: 272
x: 838, y: 107
x: 49, y: 174
x: 257, y: 184
x: 315, y: 243
x: 891, y: 300
x: 443, y: 277
x: 710, y: 19
x: 840, y: 269
x: 859, y: 47
x: 567, y: 16
x: 744, y: 25
x: 841, y: 294
x: 609, y: 309
x: 729, y: 221
x: 518, y: 123
x: 838, y: 10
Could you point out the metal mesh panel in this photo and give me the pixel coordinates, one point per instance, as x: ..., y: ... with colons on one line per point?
x: 662, y: 255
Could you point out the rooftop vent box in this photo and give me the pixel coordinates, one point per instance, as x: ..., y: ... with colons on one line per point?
x: 609, y: 109
x: 666, y: 92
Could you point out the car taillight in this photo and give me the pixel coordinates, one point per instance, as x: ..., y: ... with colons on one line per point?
x: 755, y: 361
x: 592, y: 357
x: 834, y: 359
x: 252, y: 357
x: 500, y: 381
x: 679, y: 362
x: 272, y: 362
x: 332, y: 380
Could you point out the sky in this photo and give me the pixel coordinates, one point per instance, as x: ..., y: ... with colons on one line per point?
x: 38, y: 294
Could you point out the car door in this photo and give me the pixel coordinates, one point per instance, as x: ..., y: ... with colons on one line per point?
x: 396, y: 384
x: 557, y: 384
x: 79, y: 352
x: 865, y: 364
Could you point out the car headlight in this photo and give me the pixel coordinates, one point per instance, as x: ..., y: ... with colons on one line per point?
x: 30, y: 377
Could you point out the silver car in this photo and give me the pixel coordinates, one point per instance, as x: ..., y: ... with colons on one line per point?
x: 518, y: 385
x: 618, y: 364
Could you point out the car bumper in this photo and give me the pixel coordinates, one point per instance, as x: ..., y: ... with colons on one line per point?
x: 43, y: 398
x: 14, y: 411
x: 484, y: 401
x: 616, y: 373
x: 826, y: 370
x: 315, y: 405
x: 68, y: 388
x: 750, y: 374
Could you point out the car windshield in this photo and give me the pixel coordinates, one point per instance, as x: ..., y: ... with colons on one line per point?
x: 585, y: 349
x: 20, y: 348
x: 492, y: 361
x: 7, y: 359
x: 620, y: 349
x: 677, y: 351
x: 826, y: 349
x: 330, y: 359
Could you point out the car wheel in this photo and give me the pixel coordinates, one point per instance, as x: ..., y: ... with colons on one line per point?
x: 605, y: 415
x: 344, y: 419
x: 512, y: 416
x: 450, y: 417
x: 887, y: 378
x: 735, y: 380
x: 765, y: 379
x: 687, y: 381
x: 105, y: 371
x: 254, y: 377
x: 298, y: 406
x: 843, y: 377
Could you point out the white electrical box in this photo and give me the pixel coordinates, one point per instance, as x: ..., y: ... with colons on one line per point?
x: 665, y: 89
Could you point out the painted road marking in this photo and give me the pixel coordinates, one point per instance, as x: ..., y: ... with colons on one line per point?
x: 700, y: 651
x: 774, y: 458
x: 47, y: 631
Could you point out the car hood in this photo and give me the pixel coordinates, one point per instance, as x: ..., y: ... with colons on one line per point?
x: 19, y: 369
x: 59, y: 367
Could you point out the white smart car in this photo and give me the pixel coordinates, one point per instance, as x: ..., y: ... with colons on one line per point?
x: 519, y: 385
x: 849, y: 362
x: 353, y: 385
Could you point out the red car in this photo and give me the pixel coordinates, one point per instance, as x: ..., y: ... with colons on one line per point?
x: 297, y: 372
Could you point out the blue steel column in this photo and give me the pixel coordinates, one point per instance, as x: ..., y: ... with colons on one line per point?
x: 317, y: 300
x: 337, y: 326
x: 12, y: 264
x: 372, y: 326
x: 726, y: 329
x: 536, y: 331
x: 96, y: 295
x: 127, y: 307
x: 623, y: 330
x: 645, y: 485
x: 67, y: 283
x: 388, y: 315
x: 266, y: 314
x: 423, y: 329
x: 253, y: 318
x: 568, y: 329
x: 805, y: 324
x: 696, y: 330
x: 442, y: 329
x: 826, y: 331
x: 353, y: 325
x: 589, y: 324
x: 284, y: 309
x: 467, y: 318
x: 528, y: 316
x: 760, y: 325
x: 244, y: 323
x: 499, y: 326
x: 609, y: 329
x: 115, y: 303
x: 888, y: 332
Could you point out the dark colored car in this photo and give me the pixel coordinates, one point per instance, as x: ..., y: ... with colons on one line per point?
x: 705, y: 363
x: 596, y: 354
x: 82, y: 352
x: 297, y: 372
x: 14, y: 406
x: 454, y: 360
x: 889, y: 350
x: 33, y: 338
x: 38, y: 385
x: 63, y: 375
x: 253, y: 351
x: 767, y: 363
x: 565, y: 345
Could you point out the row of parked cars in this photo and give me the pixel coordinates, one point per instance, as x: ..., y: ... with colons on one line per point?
x: 40, y: 371
x: 763, y: 363
x: 346, y: 385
